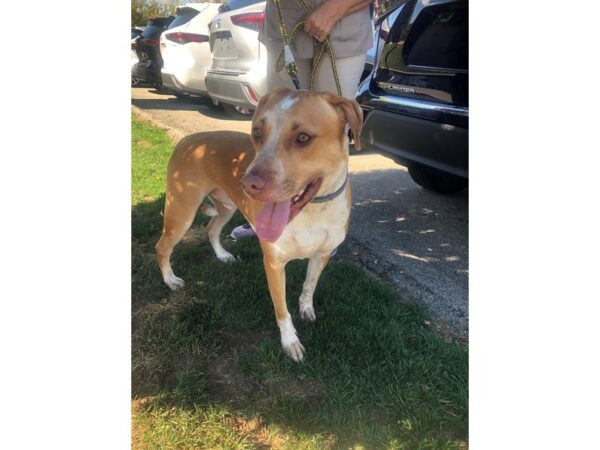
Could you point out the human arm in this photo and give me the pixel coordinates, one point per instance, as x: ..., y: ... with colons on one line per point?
x: 321, y: 21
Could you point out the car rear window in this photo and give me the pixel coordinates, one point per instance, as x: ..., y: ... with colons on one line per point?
x: 184, y: 15
x: 156, y: 27
x: 439, y: 38
x: 161, y: 21
x: 237, y: 4
x: 152, y: 32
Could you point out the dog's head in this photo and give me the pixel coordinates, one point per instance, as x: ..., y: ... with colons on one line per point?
x: 300, y: 139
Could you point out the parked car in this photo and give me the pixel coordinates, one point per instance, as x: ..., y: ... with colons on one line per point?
x: 237, y: 76
x: 148, y: 52
x: 185, y: 49
x: 416, y: 99
x: 135, y: 32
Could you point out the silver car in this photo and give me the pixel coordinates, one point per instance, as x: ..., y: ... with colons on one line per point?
x: 237, y: 77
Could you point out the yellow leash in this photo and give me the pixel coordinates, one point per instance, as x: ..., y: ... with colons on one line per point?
x: 287, y: 58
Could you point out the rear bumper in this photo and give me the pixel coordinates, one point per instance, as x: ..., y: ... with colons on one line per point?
x: 170, y: 81
x: 233, y: 88
x: 415, y: 131
x: 408, y: 140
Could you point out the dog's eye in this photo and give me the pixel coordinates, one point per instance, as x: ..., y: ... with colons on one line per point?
x: 256, y: 133
x: 303, y: 138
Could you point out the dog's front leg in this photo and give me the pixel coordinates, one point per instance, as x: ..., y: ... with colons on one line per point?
x: 316, y: 264
x: 275, y: 271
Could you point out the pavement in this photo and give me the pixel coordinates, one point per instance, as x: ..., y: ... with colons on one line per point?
x: 412, y: 238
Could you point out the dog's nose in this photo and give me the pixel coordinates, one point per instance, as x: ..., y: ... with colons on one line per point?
x: 253, y: 183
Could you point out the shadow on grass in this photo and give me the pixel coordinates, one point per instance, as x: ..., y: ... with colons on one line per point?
x: 374, y: 375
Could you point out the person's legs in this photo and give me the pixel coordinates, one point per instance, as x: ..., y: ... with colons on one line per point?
x: 349, y: 72
x: 282, y: 78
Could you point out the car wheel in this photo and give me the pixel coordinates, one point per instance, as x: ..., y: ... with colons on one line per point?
x: 235, y: 112
x: 437, y: 180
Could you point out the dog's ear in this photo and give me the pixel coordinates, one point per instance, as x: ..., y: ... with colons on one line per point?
x: 351, y: 112
x: 277, y: 92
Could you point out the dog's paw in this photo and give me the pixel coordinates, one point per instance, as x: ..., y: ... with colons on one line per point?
x: 226, y: 258
x: 294, y: 349
x: 174, y: 282
x: 307, y: 312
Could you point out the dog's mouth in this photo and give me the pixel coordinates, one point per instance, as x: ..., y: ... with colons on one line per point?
x: 273, y: 217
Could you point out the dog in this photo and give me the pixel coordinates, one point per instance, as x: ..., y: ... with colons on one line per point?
x: 289, y: 178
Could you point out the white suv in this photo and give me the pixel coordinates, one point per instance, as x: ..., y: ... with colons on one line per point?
x: 185, y: 49
x: 237, y: 77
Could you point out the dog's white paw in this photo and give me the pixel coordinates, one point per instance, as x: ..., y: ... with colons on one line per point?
x: 174, y: 282
x: 293, y: 348
x: 289, y: 339
x: 226, y: 257
x: 307, y: 312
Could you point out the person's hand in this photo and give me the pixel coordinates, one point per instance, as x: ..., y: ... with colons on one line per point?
x: 321, y: 21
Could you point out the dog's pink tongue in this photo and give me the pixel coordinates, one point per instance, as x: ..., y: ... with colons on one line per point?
x: 271, y: 220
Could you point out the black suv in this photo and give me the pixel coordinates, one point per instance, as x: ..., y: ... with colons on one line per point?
x: 416, y: 99
x: 148, y: 50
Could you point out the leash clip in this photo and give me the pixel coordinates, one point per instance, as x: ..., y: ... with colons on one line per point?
x: 288, y: 55
x: 290, y: 63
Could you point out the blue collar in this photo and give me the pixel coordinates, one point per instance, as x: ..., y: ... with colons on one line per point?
x: 326, y: 198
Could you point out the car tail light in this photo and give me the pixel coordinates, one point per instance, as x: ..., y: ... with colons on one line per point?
x: 383, y: 34
x: 133, y: 46
x: 150, y: 41
x: 253, y: 96
x: 252, y: 21
x: 185, y: 38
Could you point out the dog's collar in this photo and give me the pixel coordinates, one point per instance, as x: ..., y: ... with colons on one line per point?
x: 326, y: 198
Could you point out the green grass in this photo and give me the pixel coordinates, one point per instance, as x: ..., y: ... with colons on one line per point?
x: 208, y: 370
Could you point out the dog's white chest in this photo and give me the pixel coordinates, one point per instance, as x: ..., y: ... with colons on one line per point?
x: 319, y: 230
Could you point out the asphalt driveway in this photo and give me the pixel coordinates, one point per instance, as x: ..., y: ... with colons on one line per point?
x: 416, y: 240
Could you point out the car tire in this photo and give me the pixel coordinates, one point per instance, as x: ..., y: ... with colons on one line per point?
x: 235, y: 112
x: 437, y: 180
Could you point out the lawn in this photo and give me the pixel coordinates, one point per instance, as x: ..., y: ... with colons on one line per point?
x: 208, y: 370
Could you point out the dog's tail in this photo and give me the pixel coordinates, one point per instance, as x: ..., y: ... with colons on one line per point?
x: 207, y: 210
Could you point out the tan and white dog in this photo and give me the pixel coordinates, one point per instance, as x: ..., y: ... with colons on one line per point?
x: 289, y: 178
